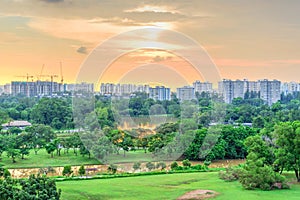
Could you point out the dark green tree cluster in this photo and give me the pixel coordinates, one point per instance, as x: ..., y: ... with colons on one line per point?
x: 35, y: 187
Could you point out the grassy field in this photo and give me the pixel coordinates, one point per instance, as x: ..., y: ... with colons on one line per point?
x: 131, y: 156
x: 43, y: 159
x: 166, y: 187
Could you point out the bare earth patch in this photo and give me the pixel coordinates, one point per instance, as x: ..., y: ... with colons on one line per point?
x: 198, y: 195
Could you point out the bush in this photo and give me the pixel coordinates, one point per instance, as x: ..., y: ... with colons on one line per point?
x: 256, y: 174
x: 174, y: 165
x: 67, y: 171
x: 81, y: 170
x: 231, y: 174
x: 35, y: 187
x: 136, y: 166
x: 197, y: 167
x: 112, y: 168
x: 186, y: 163
x: 150, y: 166
x: 161, y: 165
x: 207, y: 163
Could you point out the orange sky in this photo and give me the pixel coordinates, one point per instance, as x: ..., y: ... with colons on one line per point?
x: 251, y: 40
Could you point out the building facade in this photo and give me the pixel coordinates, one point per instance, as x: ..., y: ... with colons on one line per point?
x: 160, y: 93
x: 202, y: 87
x: 185, y: 93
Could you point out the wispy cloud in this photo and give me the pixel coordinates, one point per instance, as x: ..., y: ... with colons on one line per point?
x: 82, y: 50
x: 52, y: 1
x: 255, y: 63
x: 152, y: 8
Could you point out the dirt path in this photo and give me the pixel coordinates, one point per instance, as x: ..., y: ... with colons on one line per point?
x: 198, y: 195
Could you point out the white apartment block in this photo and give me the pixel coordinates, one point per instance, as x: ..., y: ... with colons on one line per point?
x: 122, y: 89
x: 80, y: 87
x: 202, y: 87
x: 269, y: 90
x: 290, y: 88
x: 185, y: 93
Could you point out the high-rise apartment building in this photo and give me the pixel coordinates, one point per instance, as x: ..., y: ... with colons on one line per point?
x: 269, y: 91
x: 80, y: 87
x: 202, y: 87
x: 160, y: 93
x: 186, y: 93
x: 38, y: 88
x: 290, y: 88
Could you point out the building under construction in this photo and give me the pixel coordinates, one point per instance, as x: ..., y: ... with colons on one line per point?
x: 36, y: 89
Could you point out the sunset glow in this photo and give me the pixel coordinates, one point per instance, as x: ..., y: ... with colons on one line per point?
x: 250, y: 40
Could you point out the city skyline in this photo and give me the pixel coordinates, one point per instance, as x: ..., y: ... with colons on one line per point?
x: 253, y: 39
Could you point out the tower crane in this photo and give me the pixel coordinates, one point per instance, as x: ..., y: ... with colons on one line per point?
x: 27, y: 81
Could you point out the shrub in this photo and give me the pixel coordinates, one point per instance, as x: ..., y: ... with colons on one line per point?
x: 207, y: 163
x: 230, y: 174
x: 161, y: 165
x: 174, y: 165
x: 67, y: 171
x: 136, y: 166
x: 255, y: 174
x: 186, y: 163
x: 112, y: 168
x: 150, y: 166
x: 197, y: 167
x: 81, y: 170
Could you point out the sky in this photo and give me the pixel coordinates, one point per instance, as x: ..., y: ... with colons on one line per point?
x: 244, y: 39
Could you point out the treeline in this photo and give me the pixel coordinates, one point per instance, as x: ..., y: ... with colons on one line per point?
x: 270, y: 153
x: 169, y: 142
x: 58, y: 112
x: 37, y: 137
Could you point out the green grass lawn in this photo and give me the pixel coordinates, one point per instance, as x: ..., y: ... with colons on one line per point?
x: 43, y: 159
x: 166, y: 187
x: 131, y: 156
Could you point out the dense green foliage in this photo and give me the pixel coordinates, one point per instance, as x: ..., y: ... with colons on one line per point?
x: 35, y: 187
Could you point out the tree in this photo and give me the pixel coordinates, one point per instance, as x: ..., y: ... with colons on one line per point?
x: 81, y: 170
x: 67, y: 171
x: 39, y: 135
x: 102, y: 148
x: 50, y: 148
x: 287, y: 138
x: 258, y: 171
x: 150, y: 166
x: 186, y: 163
x: 12, y: 150
x: 174, y: 165
x: 161, y: 165
x: 22, y: 142
x: 126, y: 143
x: 112, y: 168
x: 35, y: 187
x: 258, y: 122
x: 256, y: 174
x: 53, y: 112
x: 136, y: 166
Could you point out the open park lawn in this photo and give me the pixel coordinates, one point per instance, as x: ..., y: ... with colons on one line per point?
x: 43, y: 159
x: 169, y: 186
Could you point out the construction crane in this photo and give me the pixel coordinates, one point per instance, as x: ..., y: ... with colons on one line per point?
x: 41, y: 73
x: 27, y: 77
x: 52, y: 76
x: 27, y: 81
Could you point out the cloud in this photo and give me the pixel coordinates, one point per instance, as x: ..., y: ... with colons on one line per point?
x: 52, y: 1
x: 152, y: 8
x: 82, y: 50
x: 161, y: 58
